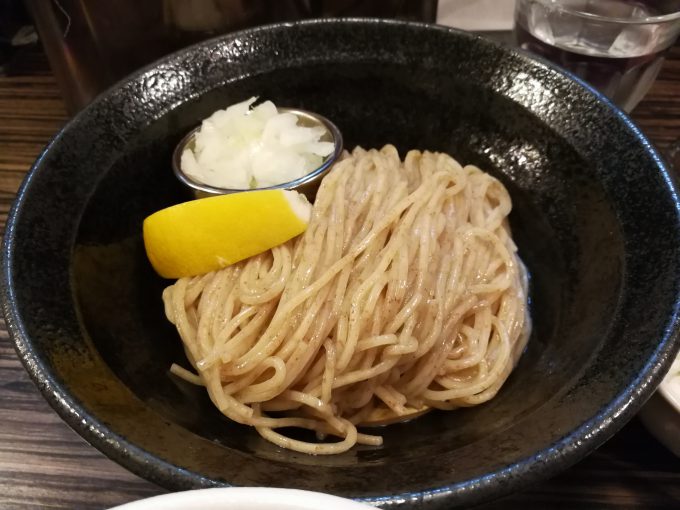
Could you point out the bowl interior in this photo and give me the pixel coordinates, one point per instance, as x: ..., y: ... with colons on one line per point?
x: 579, y: 176
x: 119, y: 294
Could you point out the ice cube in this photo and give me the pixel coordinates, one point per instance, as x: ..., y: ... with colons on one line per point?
x: 539, y: 25
x: 633, y: 41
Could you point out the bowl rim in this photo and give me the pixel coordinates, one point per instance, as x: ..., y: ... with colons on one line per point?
x: 571, y: 448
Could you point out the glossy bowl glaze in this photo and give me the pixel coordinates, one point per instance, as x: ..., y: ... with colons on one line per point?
x: 595, y: 216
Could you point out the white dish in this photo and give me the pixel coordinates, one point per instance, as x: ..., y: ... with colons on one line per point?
x: 244, y: 498
x: 661, y: 415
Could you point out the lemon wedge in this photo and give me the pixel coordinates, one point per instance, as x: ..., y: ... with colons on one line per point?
x: 204, y: 235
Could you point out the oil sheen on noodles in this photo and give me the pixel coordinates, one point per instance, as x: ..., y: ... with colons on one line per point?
x: 404, y: 294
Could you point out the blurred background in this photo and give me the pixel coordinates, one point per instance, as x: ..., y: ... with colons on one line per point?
x: 616, y: 45
x: 91, y: 44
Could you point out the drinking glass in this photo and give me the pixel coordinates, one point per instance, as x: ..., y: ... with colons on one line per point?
x: 615, y: 45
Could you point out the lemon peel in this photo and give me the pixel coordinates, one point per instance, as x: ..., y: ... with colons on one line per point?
x: 205, y: 235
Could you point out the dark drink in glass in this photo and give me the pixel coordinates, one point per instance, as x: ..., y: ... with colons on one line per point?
x: 615, y: 45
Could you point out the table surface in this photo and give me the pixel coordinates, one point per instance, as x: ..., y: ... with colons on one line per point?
x: 43, y: 463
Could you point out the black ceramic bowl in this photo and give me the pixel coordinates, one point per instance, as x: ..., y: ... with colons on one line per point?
x: 595, y: 217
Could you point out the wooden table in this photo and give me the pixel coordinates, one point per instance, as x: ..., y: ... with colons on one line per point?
x: 43, y: 463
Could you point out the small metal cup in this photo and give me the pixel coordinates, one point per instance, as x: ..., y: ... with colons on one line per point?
x: 307, y: 184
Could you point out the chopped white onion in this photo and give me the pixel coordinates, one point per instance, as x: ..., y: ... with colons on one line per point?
x: 244, y: 148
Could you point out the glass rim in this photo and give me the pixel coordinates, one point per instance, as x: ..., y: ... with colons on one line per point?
x: 647, y: 20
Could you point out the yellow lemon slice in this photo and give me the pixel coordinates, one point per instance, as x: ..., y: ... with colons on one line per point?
x: 210, y: 233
